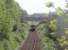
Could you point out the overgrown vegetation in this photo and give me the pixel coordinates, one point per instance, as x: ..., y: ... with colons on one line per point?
x: 11, y: 29
x: 52, y: 39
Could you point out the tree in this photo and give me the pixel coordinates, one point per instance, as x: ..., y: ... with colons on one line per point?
x: 10, y: 13
x: 52, y: 29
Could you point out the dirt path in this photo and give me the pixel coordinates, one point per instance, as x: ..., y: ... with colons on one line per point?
x: 32, y: 42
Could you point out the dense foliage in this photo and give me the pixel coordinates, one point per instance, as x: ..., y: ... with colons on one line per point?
x: 51, y: 38
x: 11, y: 29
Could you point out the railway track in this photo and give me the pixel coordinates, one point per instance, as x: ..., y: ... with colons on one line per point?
x: 32, y: 42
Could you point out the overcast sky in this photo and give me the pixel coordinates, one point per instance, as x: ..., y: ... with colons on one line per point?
x: 38, y: 6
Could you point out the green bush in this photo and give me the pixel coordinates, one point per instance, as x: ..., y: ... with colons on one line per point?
x: 10, y: 13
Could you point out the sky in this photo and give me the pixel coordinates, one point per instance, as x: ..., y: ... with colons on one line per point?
x: 38, y: 6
